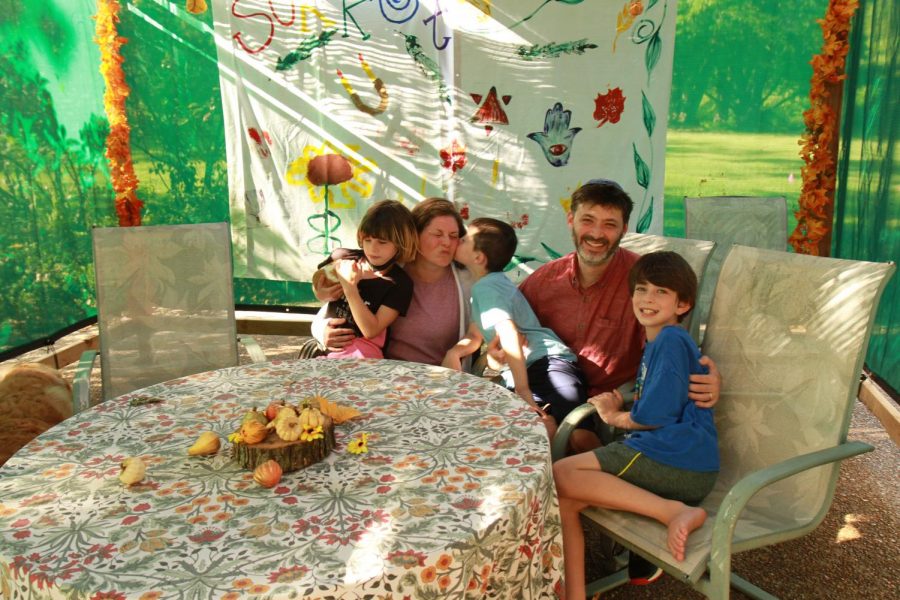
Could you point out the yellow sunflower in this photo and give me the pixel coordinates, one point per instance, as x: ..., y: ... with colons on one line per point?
x: 311, y: 433
x: 358, y: 445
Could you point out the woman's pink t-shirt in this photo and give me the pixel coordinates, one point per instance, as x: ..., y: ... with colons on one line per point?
x: 431, y: 324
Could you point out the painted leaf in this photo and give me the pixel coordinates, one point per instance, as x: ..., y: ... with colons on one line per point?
x: 608, y: 107
x: 550, y: 251
x: 624, y: 20
x: 643, y: 223
x: 304, y: 50
x: 649, y: 115
x: 552, y: 50
x: 518, y: 260
x: 654, y: 49
x: 641, y: 170
x: 651, y: 4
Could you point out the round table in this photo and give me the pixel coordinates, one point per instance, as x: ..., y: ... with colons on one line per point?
x: 454, y: 497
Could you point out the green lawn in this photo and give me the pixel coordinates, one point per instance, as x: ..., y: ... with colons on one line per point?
x: 700, y: 163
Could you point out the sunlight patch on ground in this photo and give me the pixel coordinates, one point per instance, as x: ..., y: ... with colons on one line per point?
x: 849, y: 532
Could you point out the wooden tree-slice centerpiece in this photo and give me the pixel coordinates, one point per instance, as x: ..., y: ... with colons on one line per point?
x: 290, y: 455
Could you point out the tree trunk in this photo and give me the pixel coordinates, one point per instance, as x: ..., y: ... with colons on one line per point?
x: 290, y: 455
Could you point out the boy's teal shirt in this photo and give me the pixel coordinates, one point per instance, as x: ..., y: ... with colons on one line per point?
x: 495, y: 299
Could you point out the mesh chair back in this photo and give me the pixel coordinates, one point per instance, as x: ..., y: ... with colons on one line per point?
x: 726, y: 220
x: 789, y: 334
x: 165, y: 305
x: 695, y: 252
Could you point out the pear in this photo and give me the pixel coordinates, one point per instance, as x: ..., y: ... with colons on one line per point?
x: 207, y: 443
x: 254, y: 415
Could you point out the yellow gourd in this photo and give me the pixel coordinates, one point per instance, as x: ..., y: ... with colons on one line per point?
x: 311, y: 418
x: 133, y: 470
x: 288, y: 428
x: 283, y: 412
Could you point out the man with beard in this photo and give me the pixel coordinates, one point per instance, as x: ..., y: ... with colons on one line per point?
x: 583, y: 297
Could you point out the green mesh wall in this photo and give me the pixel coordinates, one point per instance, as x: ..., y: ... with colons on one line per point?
x: 740, y: 85
x: 867, y: 226
x: 53, y: 179
x: 54, y: 184
x: 177, y: 136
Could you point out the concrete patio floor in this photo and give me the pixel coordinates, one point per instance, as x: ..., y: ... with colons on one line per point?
x: 854, y: 553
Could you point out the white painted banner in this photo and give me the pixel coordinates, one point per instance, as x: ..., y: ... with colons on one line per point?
x: 502, y: 106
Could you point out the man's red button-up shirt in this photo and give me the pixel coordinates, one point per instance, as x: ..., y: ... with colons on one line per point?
x: 597, y: 323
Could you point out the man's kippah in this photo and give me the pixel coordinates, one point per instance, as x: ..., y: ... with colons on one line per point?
x: 608, y: 182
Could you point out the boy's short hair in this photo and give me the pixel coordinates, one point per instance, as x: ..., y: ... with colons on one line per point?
x: 497, y: 240
x: 604, y: 192
x: 390, y: 220
x: 669, y: 270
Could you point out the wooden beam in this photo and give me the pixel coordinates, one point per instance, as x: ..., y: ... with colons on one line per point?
x: 69, y: 354
x: 248, y: 322
x: 259, y: 322
x: 882, y: 406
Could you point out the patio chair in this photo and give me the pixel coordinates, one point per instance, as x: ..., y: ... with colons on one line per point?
x: 695, y: 252
x: 165, y: 307
x: 747, y: 220
x: 789, y: 333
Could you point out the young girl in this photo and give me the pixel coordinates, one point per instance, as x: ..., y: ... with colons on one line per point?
x: 376, y: 290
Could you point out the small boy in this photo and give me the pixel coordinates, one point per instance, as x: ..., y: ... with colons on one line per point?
x: 670, y: 460
x: 541, y: 369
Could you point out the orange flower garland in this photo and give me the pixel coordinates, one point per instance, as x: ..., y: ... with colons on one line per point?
x: 819, y: 142
x: 118, y: 142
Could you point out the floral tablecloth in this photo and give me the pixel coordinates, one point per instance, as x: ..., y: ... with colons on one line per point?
x: 454, y: 498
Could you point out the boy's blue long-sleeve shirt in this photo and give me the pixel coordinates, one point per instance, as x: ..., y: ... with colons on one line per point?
x: 685, y: 435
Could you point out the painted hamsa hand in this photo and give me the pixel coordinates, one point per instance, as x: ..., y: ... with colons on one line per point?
x: 557, y: 137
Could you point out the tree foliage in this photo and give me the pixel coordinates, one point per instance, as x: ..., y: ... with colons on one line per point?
x: 175, y: 113
x: 744, y: 66
x: 53, y: 188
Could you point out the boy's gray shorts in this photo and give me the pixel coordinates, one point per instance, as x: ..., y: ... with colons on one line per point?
x: 673, y: 483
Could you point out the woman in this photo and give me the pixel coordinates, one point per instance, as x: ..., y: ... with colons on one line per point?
x: 439, y: 313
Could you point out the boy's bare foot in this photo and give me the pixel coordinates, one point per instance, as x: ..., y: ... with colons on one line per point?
x: 681, y: 526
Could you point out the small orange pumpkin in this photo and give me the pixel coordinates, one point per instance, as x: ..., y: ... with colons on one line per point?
x: 273, y: 408
x: 267, y: 474
x: 253, y: 432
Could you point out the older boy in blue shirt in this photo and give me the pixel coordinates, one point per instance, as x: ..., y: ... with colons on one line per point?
x: 669, y: 461
x: 539, y: 366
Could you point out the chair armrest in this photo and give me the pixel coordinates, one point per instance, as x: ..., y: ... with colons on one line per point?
x: 253, y: 349
x: 607, y: 433
x: 81, y: 384
x: 561, y: 439
x: 734, y: 502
